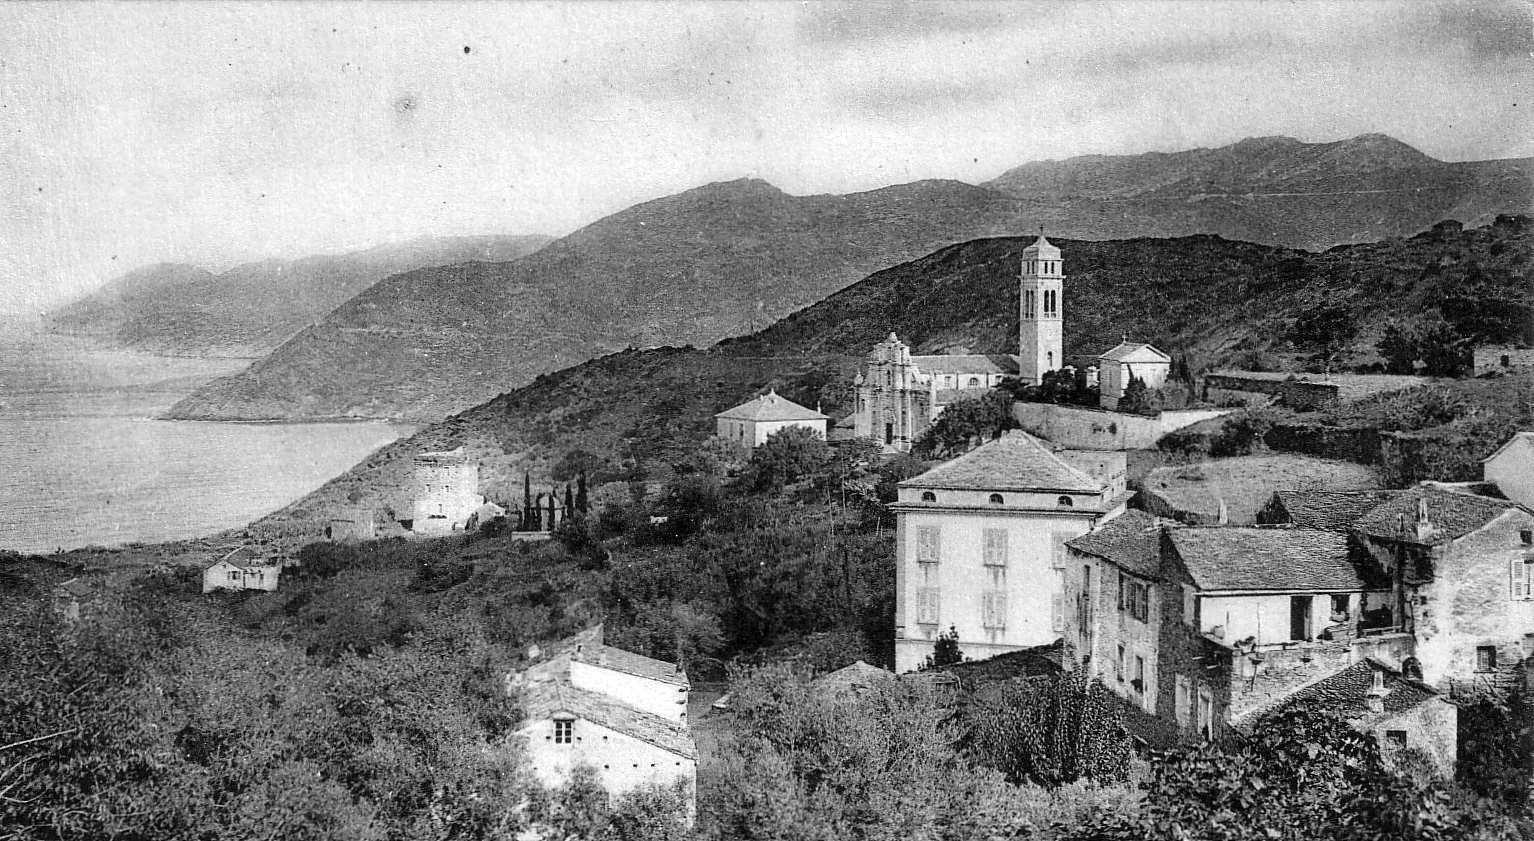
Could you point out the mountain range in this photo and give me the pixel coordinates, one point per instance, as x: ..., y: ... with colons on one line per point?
x: 728, y: 258
x: 183, y: 310
x: 1211, y: 300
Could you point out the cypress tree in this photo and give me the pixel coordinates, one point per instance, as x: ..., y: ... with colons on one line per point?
x: 528, y: 514
x: 582, y: 502
x: 569, y: 502
x: 553, y: 495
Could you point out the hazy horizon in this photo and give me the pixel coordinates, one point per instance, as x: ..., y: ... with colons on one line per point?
x: 219, y: 134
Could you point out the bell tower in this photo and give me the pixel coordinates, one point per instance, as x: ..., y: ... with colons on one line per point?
x: 1040, y: 345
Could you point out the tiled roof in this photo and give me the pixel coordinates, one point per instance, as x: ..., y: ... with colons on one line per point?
x: 1525, y: 438
x: 628, y: 662
x: 545, y: 693
x: 859, y: 675
x: 1270, y: 558
x: 1453, y: 514
x: 244, y: 557
x: 1347, y: 692
x: 1014, y: 462
x: 969, y: 363
x: 1126, y: 351
x: 1131, y: 541
x: 770, y: 407
x: 1329, y: 510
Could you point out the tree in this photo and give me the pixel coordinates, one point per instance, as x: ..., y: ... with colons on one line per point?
x: 1051, y: 730
x: 582, y: 496
x: 529, y: 513
x: 945, y: 650
x: 1398, y: 345
x: 965, y: 423
x: 1327, y: 330
x: 788, y: 455
x: 1140, y: 399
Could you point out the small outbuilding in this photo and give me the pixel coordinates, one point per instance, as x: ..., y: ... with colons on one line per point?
x: 241, y: 569
x: 750, y: 423
x: 1130, y: 360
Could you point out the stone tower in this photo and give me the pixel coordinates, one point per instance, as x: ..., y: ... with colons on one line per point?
x: 1039, y: 333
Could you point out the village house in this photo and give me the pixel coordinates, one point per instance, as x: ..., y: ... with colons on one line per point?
x: 1129, y: 360
x: 621, y: 714
x: 446, y: 492
x: 979, y: 544
x: 241, y: 569
x: 750, y: 423
x: 1511, y: 469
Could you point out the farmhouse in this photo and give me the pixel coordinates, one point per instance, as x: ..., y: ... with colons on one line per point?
x: 240, y: 569
x: 750, y: 423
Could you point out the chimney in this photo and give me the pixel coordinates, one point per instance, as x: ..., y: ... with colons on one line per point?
x: 1424, y: 530
x: 1375, y: 697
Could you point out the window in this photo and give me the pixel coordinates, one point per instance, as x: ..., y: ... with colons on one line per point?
x: 1029, y: 309
x: 997, y: 499
x: 974, y: 382
x: 1183, y: 701
x: 928, y: 544
x: 1118, y: 665
x: 927, y: 603
x: 1521, y: 578
x: 1486, y: 658
x: 928, y: 496
x: 1507, y: 361
x: 564, y: 731
x: 994, y: 610
x: 1134, y: 597
x: 1066, y: 502
x: 1526, y: 536
x: 995, y: 547
x: 1205, y: 714
x: 1396, y: 739
x: 1340, y: 605
x: 1190, y: 606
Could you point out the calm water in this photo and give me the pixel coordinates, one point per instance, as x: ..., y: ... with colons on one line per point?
x: 82, y: 461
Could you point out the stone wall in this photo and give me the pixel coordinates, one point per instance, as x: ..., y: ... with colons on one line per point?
x: 1257, y: 684
x: 1361, y: 446
x: 1083, y: 428
x: 1502, y: 358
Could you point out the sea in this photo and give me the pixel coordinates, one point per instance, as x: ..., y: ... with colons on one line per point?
x: 84, y: 461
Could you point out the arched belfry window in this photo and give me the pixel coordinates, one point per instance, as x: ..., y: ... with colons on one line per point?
x: 996, y: 499
x: 1066, y: 502
x: 928, y: 496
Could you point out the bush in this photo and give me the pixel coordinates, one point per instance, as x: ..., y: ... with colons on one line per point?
x: 787, y: 456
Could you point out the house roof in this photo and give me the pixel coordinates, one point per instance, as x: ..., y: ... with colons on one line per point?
x: 1135, y: 352
x: 770, y: 407
x: 1014, y: 462
x: 1329, y: 510
x: 1347, y: 692
x: 1453, y: 514
x: 77, y: 588
x: 547, y: 693
x: 628, y: 662
x: 1523, y: 438
x: 1270, y: 558
x: 1131, y: 541
x: 243, y: 557
x: 968, y: 363
x: 859, y: 675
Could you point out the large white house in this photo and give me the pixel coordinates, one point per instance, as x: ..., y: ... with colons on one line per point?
x: 622, y: 714
x: 979, y: 544
x: 751, y: 422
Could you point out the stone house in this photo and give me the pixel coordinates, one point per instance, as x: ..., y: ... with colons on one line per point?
x: 1400, y: 711
x: 1511, y: 468
x: 622, y: 714
x: 446, y: 492
x: 980, y: 545
x: 241, y: 569
x: 852, y: 680
x: 751, y: 422
x: 1128, y: 360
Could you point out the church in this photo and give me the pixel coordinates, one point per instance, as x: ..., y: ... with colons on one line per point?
x: 900, y: 394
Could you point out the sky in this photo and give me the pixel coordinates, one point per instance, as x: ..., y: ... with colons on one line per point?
x: 218, y: 133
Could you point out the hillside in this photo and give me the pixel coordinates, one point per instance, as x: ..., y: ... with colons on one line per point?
x: 725, y: 259
x: 1209, y: 298
x: 181, y: 310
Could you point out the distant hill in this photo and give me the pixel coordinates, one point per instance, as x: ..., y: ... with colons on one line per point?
x: 1209, y: 298
x: 184, y: 310
x: 727, y: 258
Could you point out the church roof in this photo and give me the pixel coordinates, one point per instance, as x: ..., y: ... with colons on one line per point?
x: 1043, y: 249
x: 1014, y: 462
x: 770, y: 407
x: 1135, y: 352
x: 969, y: 363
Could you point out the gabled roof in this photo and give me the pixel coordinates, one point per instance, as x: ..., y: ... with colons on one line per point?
x: 608, y: 657
x: 1452, y: 514
x: 969, y: 363
x: 243, y: 557
x: 859, y: 675
x: 1519, y: 438
x: 545, y: 694
x: 770, y: 407
x: 1270, y: 558
x: 1014, y: 462
x: 1130, y: 541
x: 1347, y: 692
x: 1135, y: 352
x: 1329, y: 510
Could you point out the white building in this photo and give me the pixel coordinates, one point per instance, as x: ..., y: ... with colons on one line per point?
x: 1511, y: 469
x: 1130, y: 360
x: 979, y: 544
x: 900, y: 394
x: 750, y: 423
x: 240, y: 569
x: 621, y: 714
x: 446, y: 492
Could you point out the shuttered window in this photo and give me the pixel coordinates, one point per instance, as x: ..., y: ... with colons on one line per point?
x: 1521, y: 575
x: 928, y: 544
x: 927, y: 605
x: 995, y: 547
x: 994, y: 610
x: 1183, y: 701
